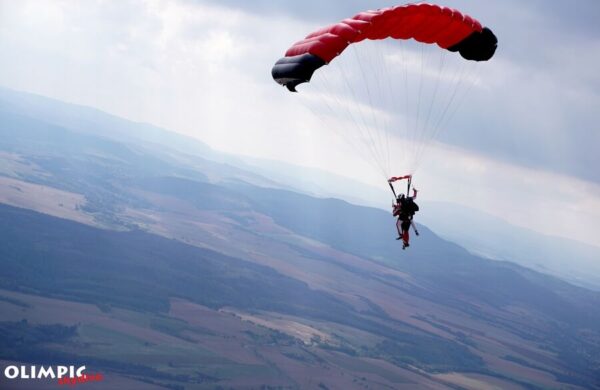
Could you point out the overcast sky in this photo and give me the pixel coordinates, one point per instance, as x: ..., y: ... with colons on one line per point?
x: 524, y: 147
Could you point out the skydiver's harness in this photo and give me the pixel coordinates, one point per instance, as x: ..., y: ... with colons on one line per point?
x: 409, y: 182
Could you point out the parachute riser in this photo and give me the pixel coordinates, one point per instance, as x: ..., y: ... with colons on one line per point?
x: 393, y: 190
x: 408, y: 185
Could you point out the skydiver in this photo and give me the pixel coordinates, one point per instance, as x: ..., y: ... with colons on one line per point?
x: 405, y: 209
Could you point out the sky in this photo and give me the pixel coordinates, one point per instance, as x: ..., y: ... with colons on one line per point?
x: 522, y: 146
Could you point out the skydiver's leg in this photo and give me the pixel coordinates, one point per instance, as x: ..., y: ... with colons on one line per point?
x: 398, y: 227
x: 414, y: 227
x: 405, y: 236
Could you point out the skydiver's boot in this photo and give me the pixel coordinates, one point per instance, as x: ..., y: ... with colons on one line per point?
x: 405, y: 240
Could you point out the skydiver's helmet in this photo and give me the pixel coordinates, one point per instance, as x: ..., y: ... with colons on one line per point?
x: 400, y: 198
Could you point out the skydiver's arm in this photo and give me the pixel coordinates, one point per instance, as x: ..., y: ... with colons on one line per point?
x: 415, y: 191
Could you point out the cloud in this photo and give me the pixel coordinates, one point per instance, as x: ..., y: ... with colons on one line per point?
x: 547, y: 202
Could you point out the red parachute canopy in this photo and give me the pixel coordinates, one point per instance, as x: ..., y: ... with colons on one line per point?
x: 427, y: 23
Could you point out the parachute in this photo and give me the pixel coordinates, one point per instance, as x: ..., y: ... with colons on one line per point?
x: 391, y: 92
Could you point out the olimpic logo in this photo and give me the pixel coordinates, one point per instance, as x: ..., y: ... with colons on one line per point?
x: 66, y: 375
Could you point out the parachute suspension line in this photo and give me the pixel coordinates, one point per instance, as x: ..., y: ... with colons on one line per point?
x: 413, y: 140
x: 459, y: 76
x: 379, y: 63
x: 458, y: 82
x: 406, y: 130
x: 383, y: 70
x: 366, y: 130
x: 353, y: 109
x: 363, y: 82
x: 319, y: 89
x: 417, y: 91
x: 360, y: 151
x: 422, y: 114
x: 460, y: 100
x: 379, y: 146
x: 384, y: 96
x: 374, y: 91
x: 411, y: 103
x: 373, y: 158
x: 425, y: 132
x: 469, y: 85
x: 405, y: 62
